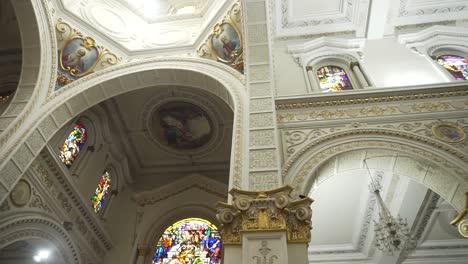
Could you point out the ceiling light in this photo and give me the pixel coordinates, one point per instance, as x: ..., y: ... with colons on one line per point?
x: 391, y: 234
x: 41, y: 255
x: 186, y: 10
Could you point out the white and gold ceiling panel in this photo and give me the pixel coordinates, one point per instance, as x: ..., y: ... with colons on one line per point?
x: 416, y: 13
x: 314, y: 17
x: 138, y: 25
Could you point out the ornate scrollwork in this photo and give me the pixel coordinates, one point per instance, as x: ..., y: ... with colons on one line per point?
x: 265, y: 211
x: 79, y: 55
x: 265, y: 251
x: 225, y: 43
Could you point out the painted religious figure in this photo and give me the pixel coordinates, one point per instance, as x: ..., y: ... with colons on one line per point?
x: 448, y: 132
x: 77, y: 58
x: 457, y: 66
x: 333, y: 79
x: 226, y: 42
x: 189, y: 241
x: 184, y: 125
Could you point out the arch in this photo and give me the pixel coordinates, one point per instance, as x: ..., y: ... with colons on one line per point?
x: 299, y: 170
x: 88, y: 91
x: 157, y: 228
x: 37, y: 45
x: 24, y: 225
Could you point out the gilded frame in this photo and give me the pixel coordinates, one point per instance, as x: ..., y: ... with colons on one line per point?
x: 67, y: 34
x: 436, y: 131
x: 232, y: 19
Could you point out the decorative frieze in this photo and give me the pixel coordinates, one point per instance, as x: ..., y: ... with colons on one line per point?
x: 263, y: 211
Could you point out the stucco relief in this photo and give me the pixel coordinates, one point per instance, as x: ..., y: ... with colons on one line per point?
x: 294, y: 139
x: 67, y: 202
x: 299, y: 170
x: 371, y: 111
x: 406, y: 10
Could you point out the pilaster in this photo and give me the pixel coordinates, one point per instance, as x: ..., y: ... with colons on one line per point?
x: 265, y: 227
x: 264, y: 158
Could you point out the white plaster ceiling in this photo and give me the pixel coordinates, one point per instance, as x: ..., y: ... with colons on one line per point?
x: 154, y: 165
x: 138, y: 25
x: 363, y: 18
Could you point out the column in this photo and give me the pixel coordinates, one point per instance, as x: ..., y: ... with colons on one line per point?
x: 359, y: 75
x: 311, y: 78
x: 266, y: 227
x: 264, y: 157
x: 143, y: 250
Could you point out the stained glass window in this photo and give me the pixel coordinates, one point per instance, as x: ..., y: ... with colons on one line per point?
x: 102, y: 191
x: 333, y: 79
x: 73, y: 144
x: 189, y: 241
x: 457, y: 66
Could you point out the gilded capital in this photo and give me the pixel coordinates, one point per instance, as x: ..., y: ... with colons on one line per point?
x: 274, y: 210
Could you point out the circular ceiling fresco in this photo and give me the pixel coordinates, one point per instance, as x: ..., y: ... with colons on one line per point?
x: 182, y: 126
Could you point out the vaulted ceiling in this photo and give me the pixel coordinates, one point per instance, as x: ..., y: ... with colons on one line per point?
x: 153, y: 162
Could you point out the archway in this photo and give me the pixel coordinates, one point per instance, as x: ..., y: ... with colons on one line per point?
x: 39, y: 232
x: 448, y: 177
x: 88, y: 91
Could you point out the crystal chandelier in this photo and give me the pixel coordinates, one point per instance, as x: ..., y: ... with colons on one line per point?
x: 391, y: 234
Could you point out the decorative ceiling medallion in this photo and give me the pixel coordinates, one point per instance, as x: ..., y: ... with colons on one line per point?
x: 225, y: 44
x: 21, y: 193
x: 448, y: 132
x: 79, y: 55
x: 183, y: 123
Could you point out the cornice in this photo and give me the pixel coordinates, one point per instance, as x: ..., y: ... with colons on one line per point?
x: 194, y: 181
x: 70, y: 198
x: 375, y: 95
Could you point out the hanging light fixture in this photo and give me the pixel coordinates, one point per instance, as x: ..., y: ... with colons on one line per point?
x: 391, y: 234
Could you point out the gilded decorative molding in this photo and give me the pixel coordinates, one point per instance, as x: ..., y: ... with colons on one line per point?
x: 79, y: 55
x: 226, y: 44
x: 454, y: 129
x: 382, y: 97
x: 265, y: 211
x: 382, y: 132
x: 302, y: 175
x: 365, y: 111
x: 461, y: 220
x: 59, y: 188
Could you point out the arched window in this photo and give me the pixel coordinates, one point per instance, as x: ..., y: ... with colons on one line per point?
x: 333, y: 79
x: 457, y: 66
x: 73, y: 144
x: 102, y: 191
x: 191, y: 240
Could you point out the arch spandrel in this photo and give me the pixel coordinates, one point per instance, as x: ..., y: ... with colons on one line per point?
x: 90, y: 90
x: 300, y: 170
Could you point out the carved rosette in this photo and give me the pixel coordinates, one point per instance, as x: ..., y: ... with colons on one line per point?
x: 274, y: 210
